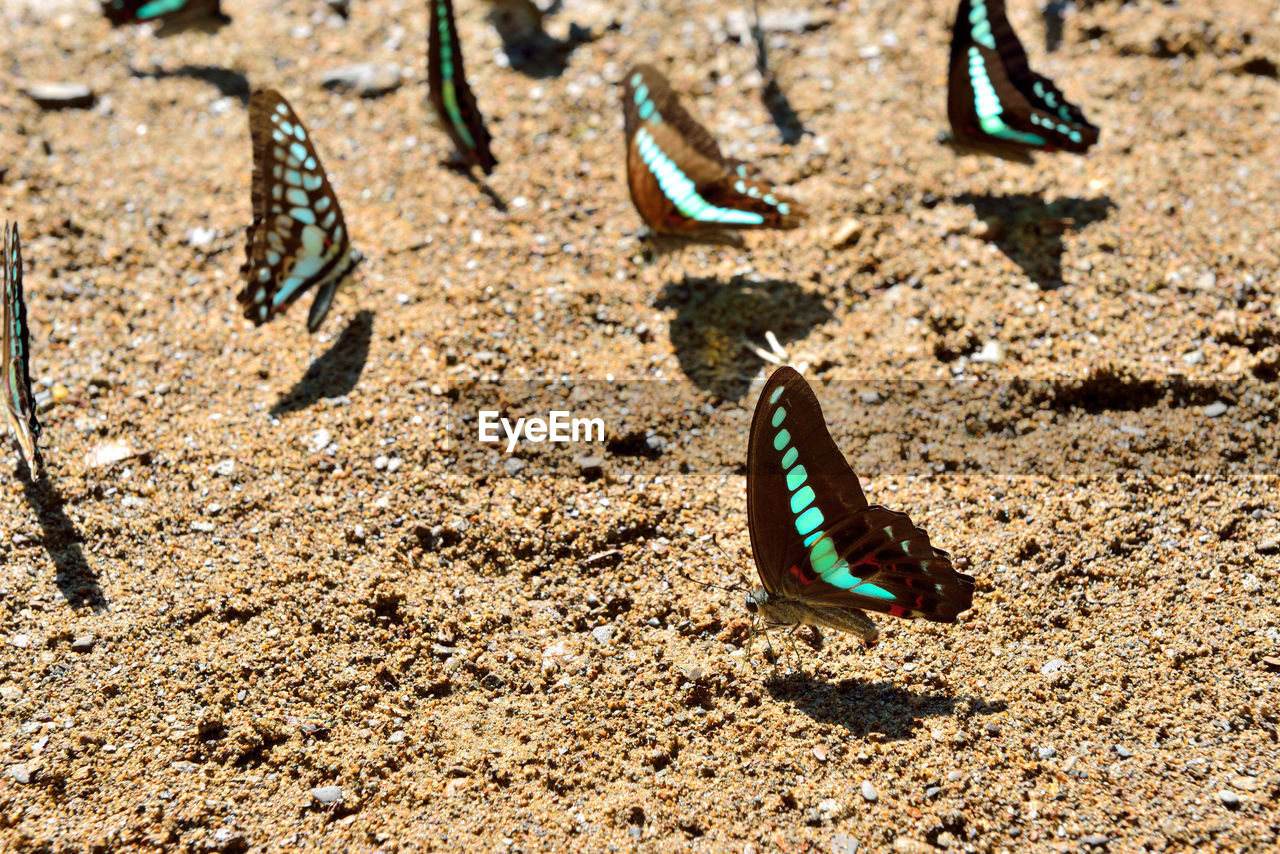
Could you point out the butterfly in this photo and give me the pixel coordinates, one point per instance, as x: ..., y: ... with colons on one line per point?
x: 298, y: 239
x: 18, y: 399
x: 825, y: 556
x: 681, y: 184
x: 450, y: 94
x: 172, y: 15
x: 997, y: 105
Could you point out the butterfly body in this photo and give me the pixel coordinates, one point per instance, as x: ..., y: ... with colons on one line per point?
x: 172, y: 15
x: 681, y: 184
x: 777, y: 611
x: 824, y: 555
x: 454, y: 103
x: 16, y: 338
x: 995, y: 103
x: 298, y: 239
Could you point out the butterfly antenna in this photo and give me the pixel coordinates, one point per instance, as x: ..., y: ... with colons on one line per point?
x: 704, y: 585
x: 745, y: 582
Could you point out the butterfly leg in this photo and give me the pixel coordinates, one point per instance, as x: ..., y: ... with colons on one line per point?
x: 795, y: 650
x: 776, y: 354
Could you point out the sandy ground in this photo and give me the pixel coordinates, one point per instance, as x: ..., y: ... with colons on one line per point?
x: 306, y: 572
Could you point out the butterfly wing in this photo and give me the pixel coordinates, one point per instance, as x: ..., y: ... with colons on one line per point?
x: 995, y: 103
x: 298, y: 239
x: 1039, y: 90
x: 171, y: 14
x: 813, y: 536
x: 450, y: 94
x: 680, y: 182
x: 19, y: 401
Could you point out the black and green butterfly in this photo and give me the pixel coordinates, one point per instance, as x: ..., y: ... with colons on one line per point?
x: 18, y: 399
x: 824, y: 555
x: 172, y: 15
x: 996, y: 104
x: 450, y: 94
x: 683, y: 187
x: 298, y: 239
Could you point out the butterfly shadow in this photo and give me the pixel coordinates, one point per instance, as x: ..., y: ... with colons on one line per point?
x: 715, y: 320
x: 784, y: 116
x: 75, y: 578
x: 537, y: 53
x: 335, y: 372
x: 499, y: 203
x: 232, y: 84
x: 861, y: 708
x: 1029, y: 230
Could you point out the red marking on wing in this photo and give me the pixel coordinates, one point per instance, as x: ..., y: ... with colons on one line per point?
x: 896, y: 610
x: 804, y: 575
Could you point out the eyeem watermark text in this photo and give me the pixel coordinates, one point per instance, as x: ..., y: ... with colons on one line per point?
x: 558, y: 426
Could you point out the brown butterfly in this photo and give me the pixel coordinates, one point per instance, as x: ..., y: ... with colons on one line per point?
x: 824, y: 555
x: 996, y: 104
x: 681, y: 184
x: 298, y: 239
x: 450, y: 94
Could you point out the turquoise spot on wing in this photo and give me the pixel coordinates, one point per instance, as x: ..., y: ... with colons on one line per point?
x: 778, y: 415
x: 641, y: 94
x: 789, y: 457
x: 873, y: 591
x: 646, y: 109
x: 839, y: 576
x: 781, y: 439
x: 987, y: 104
x: 808, y: 520
x: 777, y: 393
x: 677, y: 187
x: 636, y: 79
x: 979, y: 26
x: 823, y: 555
x: 808, y: 541
x: 796, y: 478
x: 449, y: 93
x: 802, y: 499
x: 159, y: 7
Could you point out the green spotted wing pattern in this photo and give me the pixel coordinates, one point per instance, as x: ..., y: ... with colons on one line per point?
x: 18, y: 399
x: 995, y: 102
x: 170, y: 14
x: 298, y: 239
x: 680, y: 182
x: 813, y: 535
x: 450, y: 95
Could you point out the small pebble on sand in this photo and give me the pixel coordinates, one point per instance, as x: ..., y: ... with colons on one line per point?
x: 327, y: 794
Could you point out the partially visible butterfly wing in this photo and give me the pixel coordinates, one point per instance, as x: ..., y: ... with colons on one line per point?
x: 19, y: 401
x: 813, y: 536
x: 1005, y: 109
x: 298, y: 239
x: 171, y: 14
x: 450, y: 94
x: 1036, y: 88
x: 680, y: 182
